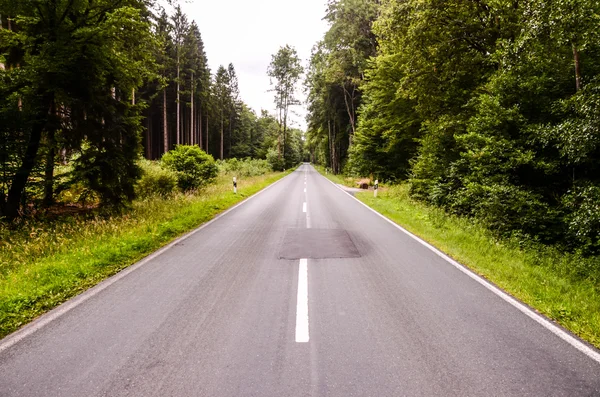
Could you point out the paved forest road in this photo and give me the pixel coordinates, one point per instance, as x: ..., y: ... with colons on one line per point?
x: 282, y: 298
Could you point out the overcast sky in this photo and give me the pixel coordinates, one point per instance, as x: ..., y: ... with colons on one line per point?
x: 246, y: 33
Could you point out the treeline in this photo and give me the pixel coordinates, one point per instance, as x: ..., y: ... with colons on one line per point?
x: 87, y: 87
x: 490, y: 109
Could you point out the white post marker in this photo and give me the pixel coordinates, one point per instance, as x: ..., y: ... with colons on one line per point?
x: 234, y: 185
x: 375, y: 187
x: 302, y: 303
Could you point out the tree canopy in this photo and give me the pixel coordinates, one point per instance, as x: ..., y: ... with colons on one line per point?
x: 86, y: 88
x: 487, y: 108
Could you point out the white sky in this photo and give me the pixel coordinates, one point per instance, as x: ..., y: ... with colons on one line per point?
x: 247, y: 33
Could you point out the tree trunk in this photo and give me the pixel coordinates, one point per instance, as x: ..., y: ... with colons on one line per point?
x: 17, y: 187
x: 192, y: 115
x: 206, y: 132
x: 285, y: 112
x: 330, y: 144
x: 165, y: 129
x: 149, y: 134
x: 177, y: 101
x: 333, y: 162
x: 1, y: 64
x: 49, y: 170
x: 200, y: 126
x: 183, y: 126
x: 577, y: 68
x: 279, y: 135
x: 284, y: 139
x: 222, y: 135
x: 350, y: 110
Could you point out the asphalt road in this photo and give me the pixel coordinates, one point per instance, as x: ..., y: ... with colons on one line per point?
x: 294, y: 293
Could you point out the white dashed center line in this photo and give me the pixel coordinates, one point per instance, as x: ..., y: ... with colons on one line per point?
x: 302, y: 303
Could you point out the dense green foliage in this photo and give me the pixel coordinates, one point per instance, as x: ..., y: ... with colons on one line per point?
x: 244, y: 168
x: 86, y: 87
x: 155, y: 180
x: 489, y: 109
x: 69, y: 71
x: 336, y: 71
x: 194, y: 168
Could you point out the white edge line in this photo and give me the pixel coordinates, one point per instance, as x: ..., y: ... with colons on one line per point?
x: 45, y: 319
x: 540, y: 319
x: 302, y: 333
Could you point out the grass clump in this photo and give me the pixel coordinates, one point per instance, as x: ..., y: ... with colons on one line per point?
x: 45, y: 262
x: 155, y: 180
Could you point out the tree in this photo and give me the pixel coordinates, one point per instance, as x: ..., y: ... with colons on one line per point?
x: 234, y: 105
x: 285, y: 71
x: 349, y: 43
x: 180, y: 31
x: 163, y: 34
x: 223, y: 102
x: 78, y: 65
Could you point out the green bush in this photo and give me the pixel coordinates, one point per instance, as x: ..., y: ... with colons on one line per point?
x: 194, y: 168
x: 274, y: 159
x: 582, y: 205
x: 244, y: 168
x: 155, y: 180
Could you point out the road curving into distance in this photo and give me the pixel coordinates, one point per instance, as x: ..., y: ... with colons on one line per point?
x: 299, y: 291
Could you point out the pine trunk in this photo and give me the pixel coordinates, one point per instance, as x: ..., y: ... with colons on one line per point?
x: 165, y: 129
x: 206, y: 132
x: 17, y: 187
x: 229, y: 145
x: 49, y: 169
x: 192, y: 132
x: 149, y: 134
x: 222, y: 141
x: 177, y: 101
x: 200, y: 126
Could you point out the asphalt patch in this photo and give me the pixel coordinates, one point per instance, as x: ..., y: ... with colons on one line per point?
x: 317, y: 244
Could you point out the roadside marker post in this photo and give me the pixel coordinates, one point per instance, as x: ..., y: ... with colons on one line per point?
x: 234, y: 185
x: 375, y: 187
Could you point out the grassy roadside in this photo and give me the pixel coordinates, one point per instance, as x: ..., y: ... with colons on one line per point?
x: 554, y: 283
x: 339, y: 179
x: 45, y: 264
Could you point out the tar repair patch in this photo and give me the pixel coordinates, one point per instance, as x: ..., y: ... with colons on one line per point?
x: 317, y: 244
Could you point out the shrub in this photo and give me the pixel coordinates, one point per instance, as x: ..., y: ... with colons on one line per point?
x: 155, y: 180
x: 194, y: 168
x: 582, y: 205
x: 274, y: 159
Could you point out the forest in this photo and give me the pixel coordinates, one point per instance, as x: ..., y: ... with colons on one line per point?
x: 486, y: 109
x: 90, y: 88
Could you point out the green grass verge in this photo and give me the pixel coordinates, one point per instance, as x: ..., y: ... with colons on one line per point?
x: 339, y: 179
x: 555, y: 283
x: 43, y: 264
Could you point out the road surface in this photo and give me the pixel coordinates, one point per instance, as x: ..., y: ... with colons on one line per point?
x: 299, y: 291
